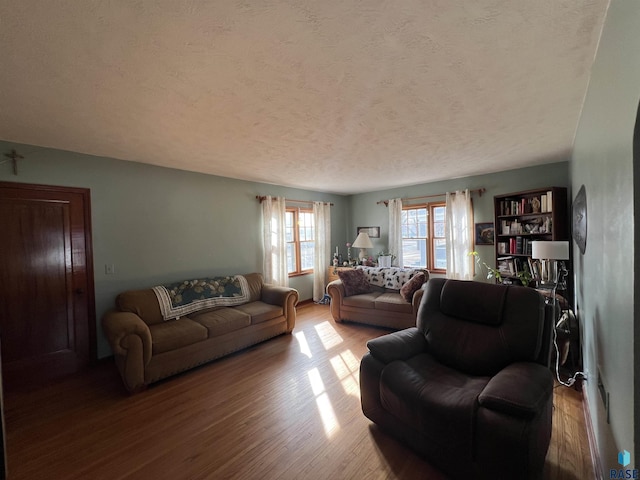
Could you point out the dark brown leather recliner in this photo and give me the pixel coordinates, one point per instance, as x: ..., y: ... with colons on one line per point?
x: 469, y: 388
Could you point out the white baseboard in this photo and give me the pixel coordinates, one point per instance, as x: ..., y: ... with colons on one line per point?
x: 593, y: 446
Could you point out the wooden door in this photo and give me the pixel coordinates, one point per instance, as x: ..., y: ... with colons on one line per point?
x: 47, y: 315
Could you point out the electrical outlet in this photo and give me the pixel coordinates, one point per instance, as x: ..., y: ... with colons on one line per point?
x: 109, y: 269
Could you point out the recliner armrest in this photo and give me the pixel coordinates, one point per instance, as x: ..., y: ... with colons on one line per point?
x: 521, y: 390
x: 400, y: 345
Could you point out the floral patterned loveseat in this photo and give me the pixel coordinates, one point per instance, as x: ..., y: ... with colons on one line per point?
x: 383, y: 296
x: 161, y: 331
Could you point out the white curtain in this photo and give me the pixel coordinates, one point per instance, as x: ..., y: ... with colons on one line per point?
x: 459, y: 235
x: 274, y: 241
x: 322, y: 250
x: 395, y: 230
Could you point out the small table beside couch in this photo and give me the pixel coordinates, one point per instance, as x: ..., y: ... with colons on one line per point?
x: 382, y: 296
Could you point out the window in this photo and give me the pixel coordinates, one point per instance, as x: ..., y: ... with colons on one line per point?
x: 423, y: 240
x: 299, y: 230
x: 414, y: 236
x: 438, y: 244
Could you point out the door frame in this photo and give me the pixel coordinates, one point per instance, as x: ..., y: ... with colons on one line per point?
x: 90, y: 295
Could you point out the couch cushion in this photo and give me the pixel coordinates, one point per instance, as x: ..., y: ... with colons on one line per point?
x: 260, y: 311
x: 175, y: 334
x: 355, y: 282
x: 476, y: 346
x: 255, y: 282
x: 412, y: 286
x: 393, y: 302
x: 480, y: 304
x: 433, y: 399
x: 364, y: 300
x: 222, y: 320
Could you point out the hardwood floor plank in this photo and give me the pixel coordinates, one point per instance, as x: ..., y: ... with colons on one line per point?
x: 288, y: 408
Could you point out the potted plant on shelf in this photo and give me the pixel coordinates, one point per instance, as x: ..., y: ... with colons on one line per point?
x: 491, y: 272
x: 525, y: 277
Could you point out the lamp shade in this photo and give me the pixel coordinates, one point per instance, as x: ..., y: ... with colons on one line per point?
x: 362, y: 241
x: 555, y: 250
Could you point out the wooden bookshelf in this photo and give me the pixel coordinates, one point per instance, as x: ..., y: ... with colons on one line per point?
x: 522, y: 217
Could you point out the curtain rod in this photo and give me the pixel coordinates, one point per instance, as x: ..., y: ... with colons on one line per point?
x: 479, y: 191
x: 262, y: 198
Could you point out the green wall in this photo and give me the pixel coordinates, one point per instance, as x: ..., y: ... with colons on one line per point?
x: 366, y: 212
x: 159, y: 225
x: 604, y: 276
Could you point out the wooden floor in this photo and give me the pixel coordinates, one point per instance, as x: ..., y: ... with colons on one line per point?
x: 286, y: 409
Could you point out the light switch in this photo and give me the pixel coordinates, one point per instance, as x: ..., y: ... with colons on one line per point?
x: 109, y: 269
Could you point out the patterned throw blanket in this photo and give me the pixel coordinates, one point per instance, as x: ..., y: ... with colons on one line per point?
x: 183, y: 298
x: 389, y: 277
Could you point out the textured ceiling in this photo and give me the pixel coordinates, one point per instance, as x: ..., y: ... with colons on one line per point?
x: 341, y: 96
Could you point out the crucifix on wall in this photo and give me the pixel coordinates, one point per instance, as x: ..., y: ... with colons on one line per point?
x: 14, y: 156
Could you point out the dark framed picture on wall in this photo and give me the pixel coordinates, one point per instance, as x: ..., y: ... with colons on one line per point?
x: 373, y: 232
x: 484, y: 233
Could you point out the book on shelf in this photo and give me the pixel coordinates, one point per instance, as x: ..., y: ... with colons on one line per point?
x: 517, y: 265
x: 549, y: 200
x: 517, y: 245
x: 534, y: 268
x: 506, y: 265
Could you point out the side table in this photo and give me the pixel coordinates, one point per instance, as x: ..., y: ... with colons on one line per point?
x: 332, y: 272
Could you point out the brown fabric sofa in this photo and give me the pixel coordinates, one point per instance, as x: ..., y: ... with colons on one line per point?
x: 381, y: 306
x: 147, y: 348
x: 470, y: 387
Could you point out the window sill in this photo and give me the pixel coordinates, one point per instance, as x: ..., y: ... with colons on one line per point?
x: 300, y: 274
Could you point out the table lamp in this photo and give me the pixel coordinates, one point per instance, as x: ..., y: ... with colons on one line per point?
x: 552, y: 254
x: 549, y: 252
x: 362, y: 242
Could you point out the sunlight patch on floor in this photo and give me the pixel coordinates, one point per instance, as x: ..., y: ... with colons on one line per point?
x: 327, y: 414
x: 329, y: 420
x: 317, y: 385
x: 347, y: 368
x: 328, y: 335
x: 304, y: 345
